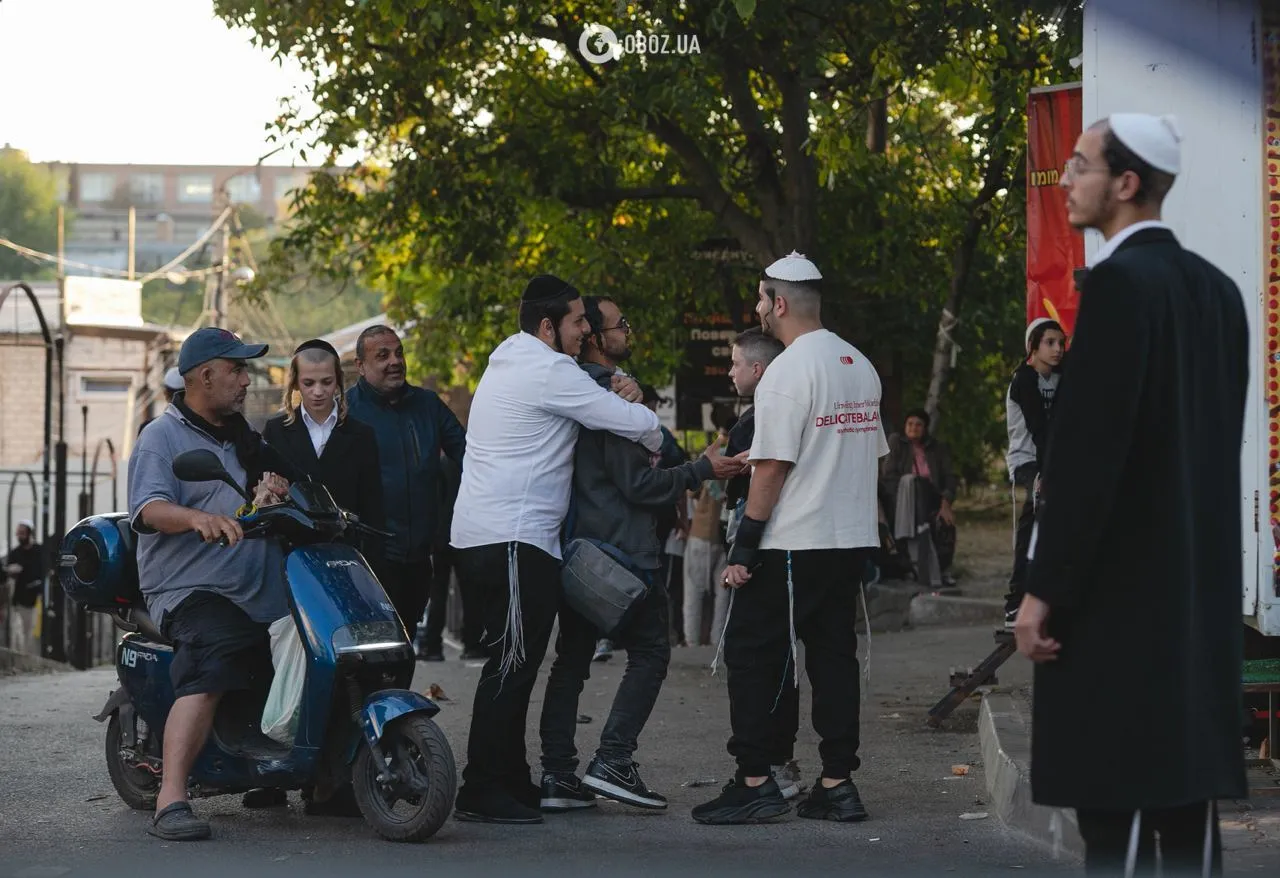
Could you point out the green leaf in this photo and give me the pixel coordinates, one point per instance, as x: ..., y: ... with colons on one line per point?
x: 746, y: 8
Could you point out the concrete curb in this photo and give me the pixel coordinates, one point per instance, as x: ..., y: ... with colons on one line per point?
x: 889, y: 605
x: 933, y: 609
x: 1005, y: 736
x: 12, y: 662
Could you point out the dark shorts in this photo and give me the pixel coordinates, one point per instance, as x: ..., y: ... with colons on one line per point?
x: 216, y: 647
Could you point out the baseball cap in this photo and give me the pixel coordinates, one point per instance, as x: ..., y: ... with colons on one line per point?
x: 173, y: 380
x: 213, y: 343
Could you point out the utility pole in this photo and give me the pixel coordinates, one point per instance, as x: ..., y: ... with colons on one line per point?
x: 215, y: 306
x: 133, y: 238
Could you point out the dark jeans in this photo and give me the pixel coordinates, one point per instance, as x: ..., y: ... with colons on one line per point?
x: 496, y: 756
x: 406, y: 584
x: 1021, y: 544
x: 438, y: 600
x: 671, y: 573
x: 645, y: 637
x: 757, y: 652
x: 1182, y: 841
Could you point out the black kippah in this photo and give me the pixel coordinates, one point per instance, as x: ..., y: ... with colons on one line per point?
x: 316, y: 344
x: 549, y: 288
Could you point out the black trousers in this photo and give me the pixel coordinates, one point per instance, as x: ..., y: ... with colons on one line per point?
x: 406, y: 584
x: 1179, y: 833
x: 438, y: 599
x: 645, y: 637
x: 757, y: 653
x: 496, y: 757
x: 1022, y: 543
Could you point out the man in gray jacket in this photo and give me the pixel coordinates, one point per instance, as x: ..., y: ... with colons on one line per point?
x: 618, y: 493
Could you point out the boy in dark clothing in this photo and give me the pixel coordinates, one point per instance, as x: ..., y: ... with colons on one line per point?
x: 1029, y: 406
x: 618, y: 494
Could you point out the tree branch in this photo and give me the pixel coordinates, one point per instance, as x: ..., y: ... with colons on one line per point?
x: 601, y: 197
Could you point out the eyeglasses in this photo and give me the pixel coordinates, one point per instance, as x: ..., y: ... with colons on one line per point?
x: 621, y: 324
x: 1076, y: 166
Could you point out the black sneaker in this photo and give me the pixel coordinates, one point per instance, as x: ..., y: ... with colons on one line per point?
x: 431, y: 656
x: 604, y: 651
x: 739, y: 803
x: 493, y: 806
x: 564, y: 792
x: 621, y: 782
x: 1011, y: 617
x: 840, y: 803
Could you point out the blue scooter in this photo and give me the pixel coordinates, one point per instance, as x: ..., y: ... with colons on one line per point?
x: 357, y: 722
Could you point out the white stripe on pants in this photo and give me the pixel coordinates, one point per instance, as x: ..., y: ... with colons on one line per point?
x: 704, y: 562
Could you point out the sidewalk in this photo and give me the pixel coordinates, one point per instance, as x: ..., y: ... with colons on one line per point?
x: 1250, y: 829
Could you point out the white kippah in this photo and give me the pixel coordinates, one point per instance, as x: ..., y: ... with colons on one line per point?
x: 1031, y: 327
x: 1154, y: 139
x: 172, y: 380
x: 793, y: 267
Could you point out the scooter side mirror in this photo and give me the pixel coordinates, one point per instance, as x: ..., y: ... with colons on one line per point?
x: 202, y: 465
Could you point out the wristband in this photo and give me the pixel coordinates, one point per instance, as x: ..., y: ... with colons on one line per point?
x: 747, y: 541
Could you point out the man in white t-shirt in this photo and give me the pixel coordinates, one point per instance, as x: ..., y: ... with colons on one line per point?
x: 521, y: 434
x: 798, y: 556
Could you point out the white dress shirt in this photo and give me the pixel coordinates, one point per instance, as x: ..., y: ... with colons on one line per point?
x: 521, y: 434
x: 1109, y: 247
x: 320, y: 432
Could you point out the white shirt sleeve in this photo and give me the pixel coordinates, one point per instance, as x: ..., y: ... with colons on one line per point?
x: 883, y: 442
x: 780, y: 422
x: 570, y: 393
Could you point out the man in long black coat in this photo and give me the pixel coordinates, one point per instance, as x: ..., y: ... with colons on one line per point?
x: 1133, y: 610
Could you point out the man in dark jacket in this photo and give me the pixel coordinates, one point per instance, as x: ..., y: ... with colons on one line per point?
x: 618, y: 494
x: 1133, y: 593
x: 24, y: 567
x: 412, y: 425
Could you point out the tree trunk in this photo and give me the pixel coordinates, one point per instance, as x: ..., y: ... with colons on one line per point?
x: 944, y: 346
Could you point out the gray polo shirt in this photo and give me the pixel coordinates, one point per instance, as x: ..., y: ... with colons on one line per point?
x: 171, y: 567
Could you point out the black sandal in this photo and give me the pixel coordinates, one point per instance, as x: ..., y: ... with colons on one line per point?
x: 177, y: 822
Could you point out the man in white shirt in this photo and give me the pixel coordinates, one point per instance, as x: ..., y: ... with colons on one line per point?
x: 521, y: 435
x: 799, y: 553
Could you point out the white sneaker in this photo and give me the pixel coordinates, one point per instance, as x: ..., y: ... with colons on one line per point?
x: 788, y: 779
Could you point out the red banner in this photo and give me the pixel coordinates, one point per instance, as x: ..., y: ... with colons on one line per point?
x: 1054, y: 249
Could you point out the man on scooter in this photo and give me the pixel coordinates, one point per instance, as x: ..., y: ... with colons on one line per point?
x: 211, y: 593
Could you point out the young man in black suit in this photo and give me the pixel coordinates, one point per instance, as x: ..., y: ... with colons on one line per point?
x: 1133, y: 593
x: 316, y: 434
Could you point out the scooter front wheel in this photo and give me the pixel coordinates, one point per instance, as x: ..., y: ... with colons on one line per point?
x: 410, y: 795
x: 136, y: 785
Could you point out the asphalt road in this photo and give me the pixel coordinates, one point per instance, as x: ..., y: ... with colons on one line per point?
x: 59, y: 814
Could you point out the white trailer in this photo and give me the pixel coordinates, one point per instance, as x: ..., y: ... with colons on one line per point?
x: 1215, y: 64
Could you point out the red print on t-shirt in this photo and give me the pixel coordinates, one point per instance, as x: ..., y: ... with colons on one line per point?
x: 848, y: 361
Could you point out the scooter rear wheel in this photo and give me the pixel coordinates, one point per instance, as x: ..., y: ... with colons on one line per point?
x: 138, y: 787
x: 420, y: 781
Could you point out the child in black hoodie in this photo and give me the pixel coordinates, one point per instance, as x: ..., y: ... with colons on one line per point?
x: 1029, y: 405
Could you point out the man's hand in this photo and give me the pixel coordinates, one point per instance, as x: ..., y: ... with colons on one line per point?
x: 271, y: 489
x: 735, y: 576
x: 212, y: 528
x: 1031, y: 631
x: 725, y: 467
x: 945, y: 515
x: 627, y: 388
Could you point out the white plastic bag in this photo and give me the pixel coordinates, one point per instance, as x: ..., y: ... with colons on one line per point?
x: 280, y: 716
